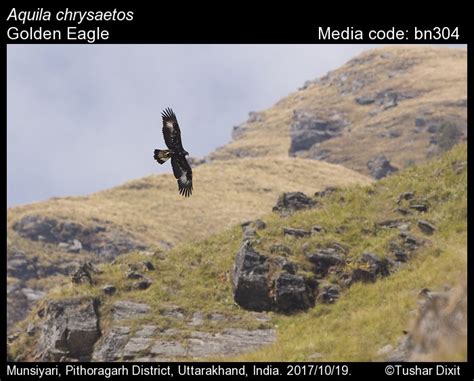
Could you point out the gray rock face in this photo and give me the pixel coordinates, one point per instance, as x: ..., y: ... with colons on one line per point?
x: 420, y: 207
x: 439, y: 327
x: 326, y: 191
x: 19, y: 266
x: 420, y: 122
x: 110, y: 346
x: 230, y: 342
x: 174, y: 312
x: 168, y: 349
x: 124, y: 309
x: 411, y: 242
x: 329, y: 294
x: 307, y: 129
x: 292, y: 293
x: 135, y: 346
x: 238, y: 131
x: 105, y: 239
x: 405, y: 196
x: 380, y: 166
x: 142, y: 284
x: 398, y: 251
x: 377, y: 265
x: 83, y: 274
x: 324, y: 259
x: 250, y: 286
x: 298, y: 233
x: 148, y: 345
x: 20, y: 300
x: 374, y: 267
x: 197, y: 319
x: 250, y: 228
x: 70, y: 330
x: 290, y: 202
x: 109, y: 289
x: 263, y: 284
x: 426, y: 227
x: 390, y: 223
x: 365, y: 100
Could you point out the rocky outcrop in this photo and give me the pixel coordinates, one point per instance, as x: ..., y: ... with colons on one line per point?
x: 292, y: 293
x: 83, y: 274
x: 324, y: 259
x: 231, y: 341
x: 20, y: 266
x: 373, y: 267
x: 20, y: 300
x: 69, y: 330
x: 261, y: 283
x: 125, y: 309
x: 148, y: 345
x: 426, y: 227
x: 238, y: 131
x: 110, y: 346
x: 307, y: 129
x: 251, y: 289
x: 105, y: 239
x: 379, y: 167
x: 295, y: 232
x: 290, y: 202
x: 329, y: 294
x: 439, y: 328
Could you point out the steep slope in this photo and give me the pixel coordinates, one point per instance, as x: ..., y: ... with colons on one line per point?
x: 406, y: 102
x: 49, y: 239
x: 188, y: 308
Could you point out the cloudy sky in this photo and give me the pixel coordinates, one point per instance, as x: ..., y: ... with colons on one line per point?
x: 81, y: 118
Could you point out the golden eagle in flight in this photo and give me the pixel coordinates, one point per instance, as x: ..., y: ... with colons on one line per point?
x: 181, y: 168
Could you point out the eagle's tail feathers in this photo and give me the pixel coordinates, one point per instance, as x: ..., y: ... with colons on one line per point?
x: 161, y: 155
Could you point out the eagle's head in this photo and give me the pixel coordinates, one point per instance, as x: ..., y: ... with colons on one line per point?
x: 186, y: 153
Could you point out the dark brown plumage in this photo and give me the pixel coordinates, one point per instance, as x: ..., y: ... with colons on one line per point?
x: 181, y: 168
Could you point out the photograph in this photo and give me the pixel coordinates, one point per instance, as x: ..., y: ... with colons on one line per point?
x: 236, y: 203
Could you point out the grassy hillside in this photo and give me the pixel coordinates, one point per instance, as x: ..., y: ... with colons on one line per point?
x: 431, y: 82
x: 195, y: 276
x: 225, y: 193
x: 152, y: 212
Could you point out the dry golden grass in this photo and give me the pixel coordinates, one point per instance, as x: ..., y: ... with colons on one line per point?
x: 225, y: 193
x: 439, y: 75
x: 196, y: 275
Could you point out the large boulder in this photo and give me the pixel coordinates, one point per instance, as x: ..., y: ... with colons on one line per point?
x: 324, y: 259
x: 20, y: 266
x: 438, y: 329
x: 292, y: 293
x: 290, y: 202
x: 249, y: 279
x: 125, y: 309
x: 105, y: 239
x: 379, y: 166
x: 307, y: 129
x: 373, y: 266
x: 110, y: 346
x: 69, y: 330
x: 261, y: 283
x: 20, y: 300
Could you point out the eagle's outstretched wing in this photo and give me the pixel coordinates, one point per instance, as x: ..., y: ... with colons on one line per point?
x: 182, y: 171
x: 171, y: 131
